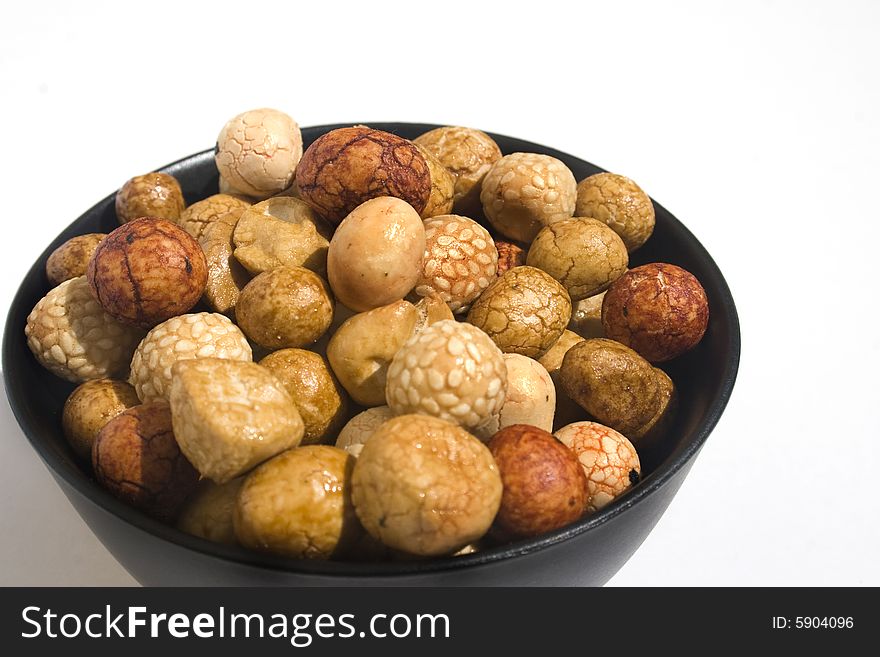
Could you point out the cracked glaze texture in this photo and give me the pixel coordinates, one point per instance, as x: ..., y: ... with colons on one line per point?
x: 197, y: 335
x: 425, y: 486
x: 136, y: 458
x: 658, y: 309
x: 460, y: 261
x: 609, y: 460
x: 348, y: 166
x: 74, y: 338
x: 585, y: 255
x: 359, y: 429
x: 147, y: 271
x: 524, y: 311
x: 197, y: 217
x: 545, y: 487
x: 467, y: 154
x: 619, y: 202
x: 230, y: 416
x: 258, y: 150
x: 450, y: 370
x: 71, y: 259
x: 299, y: 504
x: 523, y: 192
x: 150, y: 195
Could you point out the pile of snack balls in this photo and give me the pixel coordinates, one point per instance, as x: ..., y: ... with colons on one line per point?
x: 374, y: 349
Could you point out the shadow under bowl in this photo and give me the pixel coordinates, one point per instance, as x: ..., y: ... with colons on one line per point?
x: 587, y: 552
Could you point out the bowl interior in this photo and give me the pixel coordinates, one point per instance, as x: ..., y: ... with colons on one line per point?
x: 704, y: 377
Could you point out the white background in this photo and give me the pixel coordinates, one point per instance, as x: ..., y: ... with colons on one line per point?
x: 757, y: 124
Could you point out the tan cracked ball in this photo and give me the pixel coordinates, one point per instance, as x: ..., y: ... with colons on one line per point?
x: 348, y: 166
x: 375, y: 255
x: 230, y: 416
x: 586, y: 317
x: 285, y: 307
x: 137, y: 459
x: 361, y: 350
x: 531, y: 394
x: 197, y: 335
x: 208, y: 512
x: 197, y: 217
x: 450, y: 370
x: 460, y: 261
x: 524, y: 311
x: 226, y: 276
x: 658, y: 309
x: 317, y: 395
x: 298, y: 504
x: 608, y: 459
x: 71, y: 259
x: 510, y: 255
x: 567, y: 410
x: 147, y: 271
x: 585, y: 255
x: 467, y: 154
x: 619, y: 202
x: 258, y: 151
x: 359, y: 429
x: 150, y: 195
x: 91, y: 406
x: 613, y: 384
x: 442, y: 187
x: 281, y: 231
x: 523, y: 192
x: 425, y: 486
x: 74, y: 338
x: 544, y: 485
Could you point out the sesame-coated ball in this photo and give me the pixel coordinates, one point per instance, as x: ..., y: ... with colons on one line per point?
x: 258, y: 150
x: 658, y: 309
x: 609, y: 460
x: 147, y: 271
x: 523, y: 192
x: 197, y: 335
x: 460, y: 260
x: 150, y: 195
x: 619, y: 202
x: 74, y: 338
x: 425, y: 486
x: 450, y: 370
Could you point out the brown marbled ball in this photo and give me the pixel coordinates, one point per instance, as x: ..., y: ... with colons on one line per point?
x: 150, y: 195
x: 658, y: 309
x: 147, y: 271
x: 137, y: 459
x: 285, y: 307
x: 71, y: 259
x: 348, y: 166
x: 510, y: 255
x: 545, y: 486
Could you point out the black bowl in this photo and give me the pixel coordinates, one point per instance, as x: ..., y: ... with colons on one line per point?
x: 588, y: 552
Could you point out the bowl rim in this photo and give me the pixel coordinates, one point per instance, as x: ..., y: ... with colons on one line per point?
x: 83, y: 484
